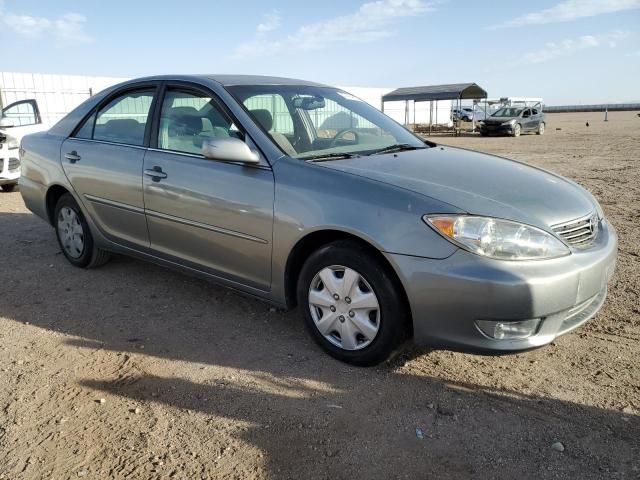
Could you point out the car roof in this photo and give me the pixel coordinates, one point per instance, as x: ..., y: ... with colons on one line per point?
x: 230, y: 80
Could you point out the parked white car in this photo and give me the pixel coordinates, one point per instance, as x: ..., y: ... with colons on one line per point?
x: 464, y: 113
x: 17, y: 120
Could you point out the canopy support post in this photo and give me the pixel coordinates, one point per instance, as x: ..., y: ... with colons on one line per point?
x: 430, y: 116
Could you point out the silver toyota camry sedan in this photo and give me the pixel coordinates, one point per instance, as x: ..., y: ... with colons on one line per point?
x: 302, y: 194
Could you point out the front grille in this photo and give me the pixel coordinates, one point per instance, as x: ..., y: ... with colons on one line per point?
x: 580, y: 232
x: 14, y: 164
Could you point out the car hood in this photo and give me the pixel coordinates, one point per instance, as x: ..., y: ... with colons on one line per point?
x: 477, y: 183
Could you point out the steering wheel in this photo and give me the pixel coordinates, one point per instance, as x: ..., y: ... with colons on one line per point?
x: 341, y: 133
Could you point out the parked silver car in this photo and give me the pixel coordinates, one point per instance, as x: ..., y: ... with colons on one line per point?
x: 302, y: 194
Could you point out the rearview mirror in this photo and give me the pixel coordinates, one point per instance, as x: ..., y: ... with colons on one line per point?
x: 229, y: 149
x: 309, y: 103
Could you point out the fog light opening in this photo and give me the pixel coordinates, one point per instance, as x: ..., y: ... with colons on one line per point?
x: 505, y: 330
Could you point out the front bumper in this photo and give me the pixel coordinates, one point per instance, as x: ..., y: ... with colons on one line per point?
x: 448, y: 296
x: 496, y: 129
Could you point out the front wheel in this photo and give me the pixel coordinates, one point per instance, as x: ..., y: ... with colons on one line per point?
x: 74, y: 236
x: 9, y: 187
x: 540, y: 129
x: 517, y: 130
x: 352, y: 306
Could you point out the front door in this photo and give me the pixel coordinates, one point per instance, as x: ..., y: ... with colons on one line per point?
x: 22, y: 118
x: 104, y: 160
x: 527, y: 120
x: 211, y: 215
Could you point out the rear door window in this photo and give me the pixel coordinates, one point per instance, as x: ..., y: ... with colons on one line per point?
x: 123, y: 120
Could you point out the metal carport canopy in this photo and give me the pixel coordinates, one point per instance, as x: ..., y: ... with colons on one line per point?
x: 453, y: 91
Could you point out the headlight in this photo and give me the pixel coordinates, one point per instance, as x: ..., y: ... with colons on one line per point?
x: 496, y: 238
x: 12, y: 143
x: 510, y: 122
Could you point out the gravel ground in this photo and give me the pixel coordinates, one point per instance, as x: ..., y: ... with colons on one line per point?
x: 133, y: 371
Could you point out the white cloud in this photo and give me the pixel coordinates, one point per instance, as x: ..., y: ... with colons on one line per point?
x: 564, y: 48
x: 69, y: 27
x: 367, y: 24
x: 271, y: 22
x: 570, y: 10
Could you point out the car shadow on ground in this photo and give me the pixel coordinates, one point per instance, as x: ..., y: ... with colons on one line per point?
x: 311, y: 416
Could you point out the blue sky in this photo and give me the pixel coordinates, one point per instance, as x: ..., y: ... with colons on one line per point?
x: 567, y: 51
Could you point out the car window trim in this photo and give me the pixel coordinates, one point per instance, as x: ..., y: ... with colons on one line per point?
x: 155, y: 85
x: 107, y: 142
x: 201, y: 157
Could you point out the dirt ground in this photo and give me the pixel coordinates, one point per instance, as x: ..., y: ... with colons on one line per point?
x: 133, y: 371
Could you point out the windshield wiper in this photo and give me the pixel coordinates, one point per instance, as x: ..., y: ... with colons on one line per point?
x: 398, y: 147
x: 329, y: 156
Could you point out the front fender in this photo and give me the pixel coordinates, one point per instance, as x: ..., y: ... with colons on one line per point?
x: 310, y: 198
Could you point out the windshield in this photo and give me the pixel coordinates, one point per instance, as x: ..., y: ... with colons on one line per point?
x: 508, y: 112
x: 309, y: 122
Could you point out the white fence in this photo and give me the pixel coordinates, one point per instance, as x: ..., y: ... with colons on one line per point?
x: 56, y: 95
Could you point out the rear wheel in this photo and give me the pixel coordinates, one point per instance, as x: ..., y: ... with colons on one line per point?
x: 74, y: 236
x: 9, y: 187
x: 517, y: 130
x: 540, y: 129
x: 352, y: 306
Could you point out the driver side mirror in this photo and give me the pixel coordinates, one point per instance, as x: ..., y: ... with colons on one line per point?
x: 229, y: 149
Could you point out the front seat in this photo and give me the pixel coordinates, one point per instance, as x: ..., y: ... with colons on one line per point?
x: 264, y: 118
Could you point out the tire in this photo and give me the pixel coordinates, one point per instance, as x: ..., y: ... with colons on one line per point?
x: 540, y: 129
x: 9, y: 187
x: 74, y: 235
x: 341, y: 317
x: 517, y: 130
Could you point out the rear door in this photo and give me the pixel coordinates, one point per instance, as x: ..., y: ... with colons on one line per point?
x: 104, y: 160
x: 214, y: 216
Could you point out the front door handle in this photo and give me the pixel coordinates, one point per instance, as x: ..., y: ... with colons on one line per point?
x: 155, y: 173
x: 73, y: 156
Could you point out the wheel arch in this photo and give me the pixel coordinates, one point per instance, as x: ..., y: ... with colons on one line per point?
x: 54, y: 193
x: 311, y: 242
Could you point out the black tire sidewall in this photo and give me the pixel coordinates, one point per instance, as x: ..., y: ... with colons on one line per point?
x: 84, y: 260
x: 393, y: 311
x: 9, y: 187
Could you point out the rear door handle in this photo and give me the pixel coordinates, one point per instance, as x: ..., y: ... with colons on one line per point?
x: 73, y: 156
x: 155, y: 173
